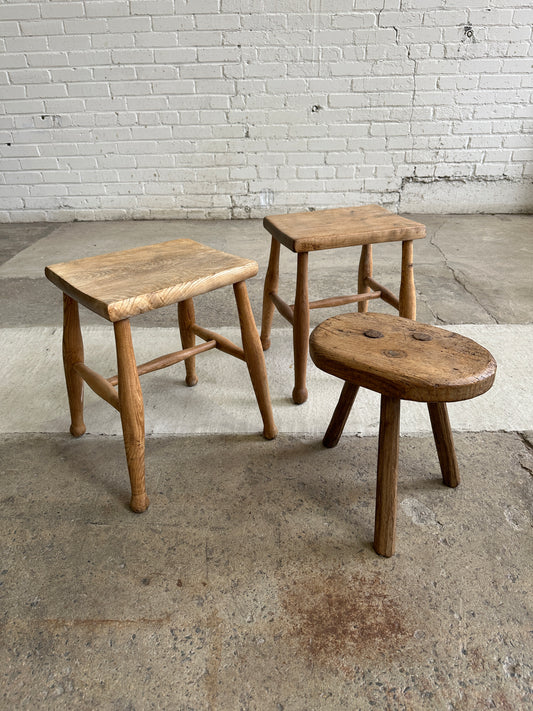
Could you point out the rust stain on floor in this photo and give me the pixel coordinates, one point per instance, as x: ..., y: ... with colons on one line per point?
x: 343, y: 620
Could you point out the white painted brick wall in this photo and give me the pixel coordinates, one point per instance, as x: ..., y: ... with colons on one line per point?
x: 115, y: 109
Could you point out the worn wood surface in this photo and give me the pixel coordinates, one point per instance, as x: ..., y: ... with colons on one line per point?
x: 442, y: 433
x: 402, y: 363
x: 98, y: 384
x: 385, y: 294
x: 118, y: 285
x: 167, y: 360
x: 333, y: 301
x: 407, y: 300
x: 364, y: 273
x: 255, y: 359
x: 339, y: 417
x: 387, y: 477
x: 270, y: 292
x: 131, y: 414
x: 341, y: 227
x: 72, y: 355
x: 301, y: 329
x: 186, y: 320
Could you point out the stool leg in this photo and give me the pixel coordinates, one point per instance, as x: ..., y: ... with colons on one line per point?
x: 72, y: 354
x: 271, y: 287
x: 131, y: 414
x: 442, y: 432
x: 255, y: 360
x: 301, y: 330
x: 387, y: 479
x: 188, y: 340
x: 365, y: 271
x: 407, y: 283
x: 338, y: 420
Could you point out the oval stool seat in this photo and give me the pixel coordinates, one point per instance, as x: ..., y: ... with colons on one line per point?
x: 402, y: 360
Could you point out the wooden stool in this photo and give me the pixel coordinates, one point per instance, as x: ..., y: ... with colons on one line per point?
x: 119, y: 285
x: 402, y: 360
x: 306, y: 232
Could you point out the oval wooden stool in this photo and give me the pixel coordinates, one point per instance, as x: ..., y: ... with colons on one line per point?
x: 304, y: 232
x: 402, y: 360
x: 120, y: 285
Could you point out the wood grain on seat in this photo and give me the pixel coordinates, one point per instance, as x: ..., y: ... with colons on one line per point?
x: 341, y: 227
x: 118, y: 285
x: 402, y: 358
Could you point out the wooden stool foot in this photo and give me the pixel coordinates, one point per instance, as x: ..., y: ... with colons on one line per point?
x: 265, y: 343
x: 271, y: 432
x: 299, y: 395
x: 139, y: 503
x: 77, y: 431
x: 191, y: 381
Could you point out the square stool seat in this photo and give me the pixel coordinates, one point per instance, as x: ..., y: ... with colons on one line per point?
x: 119, y: 285
x: 305, y: 232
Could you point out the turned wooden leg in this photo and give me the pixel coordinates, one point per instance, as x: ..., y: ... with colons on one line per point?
x: 188, y: 339
x: 131, y: 414
x: 440, y: 423
x: 338, y: 420
x: 301, y: 330
x: 271, y: 287
x: 255, y: 360
x: 407, y: 283
x: 365, y: 271
x: 72, y: 354
x: 387, y: 480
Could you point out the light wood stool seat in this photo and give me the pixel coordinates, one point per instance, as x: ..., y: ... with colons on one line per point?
x: 123, y: 284
x: 402, y: 360
x: 330, y: 229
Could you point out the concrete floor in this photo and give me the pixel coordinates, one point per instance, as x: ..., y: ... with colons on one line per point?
x: 251, y: 583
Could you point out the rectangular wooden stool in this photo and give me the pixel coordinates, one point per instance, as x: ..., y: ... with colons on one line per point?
x: 306, y: 232
x: 120, y: 285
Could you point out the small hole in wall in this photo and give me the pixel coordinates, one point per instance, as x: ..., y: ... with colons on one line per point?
x: 316, y: 108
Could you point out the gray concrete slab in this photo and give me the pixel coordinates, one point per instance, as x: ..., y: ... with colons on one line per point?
x: 15, y: 238
x: 250, y: 582
x: 223, y: 401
